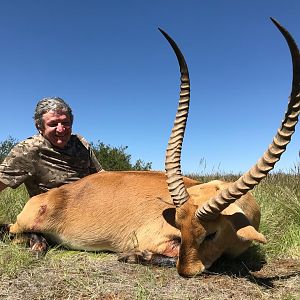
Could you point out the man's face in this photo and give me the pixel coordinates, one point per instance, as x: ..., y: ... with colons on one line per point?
x: 57, y: 128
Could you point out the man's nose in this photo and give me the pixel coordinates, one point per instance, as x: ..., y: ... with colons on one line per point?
x: 60, y: 127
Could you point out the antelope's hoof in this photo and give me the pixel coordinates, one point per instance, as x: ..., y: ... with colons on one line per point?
x: 138, y: 257
x: 38, y: 244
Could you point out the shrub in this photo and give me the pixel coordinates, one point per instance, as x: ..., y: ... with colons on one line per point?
x: 6, y: 146
x: 116, y: 158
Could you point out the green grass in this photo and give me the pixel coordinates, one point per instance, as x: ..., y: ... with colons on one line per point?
x: 14, y: 259
x: 11, y: 203
x: 279, y: 197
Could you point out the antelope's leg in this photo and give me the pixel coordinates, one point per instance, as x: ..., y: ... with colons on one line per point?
x: 18, y: 238
x: 37, y: 242
x: 14, y: 232
x: 147, y: 258
x: 15, y: 228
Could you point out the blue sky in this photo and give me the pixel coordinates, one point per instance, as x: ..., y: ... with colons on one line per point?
x: 110, y: 63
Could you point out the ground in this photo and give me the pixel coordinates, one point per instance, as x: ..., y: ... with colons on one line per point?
x: 81, y: 275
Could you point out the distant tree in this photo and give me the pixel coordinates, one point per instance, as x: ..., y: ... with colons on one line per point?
x: 6, y: 146
x: 116, y: 158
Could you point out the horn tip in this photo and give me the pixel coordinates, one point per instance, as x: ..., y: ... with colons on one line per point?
x: 276, y: 23
x: 163, y: 32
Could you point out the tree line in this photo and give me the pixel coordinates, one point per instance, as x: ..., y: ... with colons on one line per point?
x: 111, y: 158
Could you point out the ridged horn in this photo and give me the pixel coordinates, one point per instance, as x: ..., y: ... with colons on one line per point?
x: 175, y: 182
x: 266, y: 163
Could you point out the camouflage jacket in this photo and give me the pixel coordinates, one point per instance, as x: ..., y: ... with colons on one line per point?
x: 40, y: 166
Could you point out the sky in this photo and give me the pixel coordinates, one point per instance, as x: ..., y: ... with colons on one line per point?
x: 108, y: 60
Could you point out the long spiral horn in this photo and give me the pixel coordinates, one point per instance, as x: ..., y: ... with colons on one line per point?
x: 175, y: 182
x: 266, y: 163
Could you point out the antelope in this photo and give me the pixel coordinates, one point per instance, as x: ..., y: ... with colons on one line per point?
x: 151, y: 216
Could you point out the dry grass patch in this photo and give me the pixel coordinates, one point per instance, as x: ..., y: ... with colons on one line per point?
x: 65, y: 274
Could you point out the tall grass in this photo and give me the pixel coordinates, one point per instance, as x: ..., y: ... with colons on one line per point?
x: 279, y: 197
x: 11, y: 203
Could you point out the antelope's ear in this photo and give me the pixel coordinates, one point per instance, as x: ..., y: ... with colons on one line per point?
x: 249, y: 233
x: 244, y: 230
x: 169, y: 215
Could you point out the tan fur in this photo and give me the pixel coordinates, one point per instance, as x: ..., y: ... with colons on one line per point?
x: 125, y: 211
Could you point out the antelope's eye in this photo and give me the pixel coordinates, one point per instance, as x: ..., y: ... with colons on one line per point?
x: 210, y: 236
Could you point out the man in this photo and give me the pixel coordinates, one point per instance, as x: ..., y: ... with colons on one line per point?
x: 51, y: 158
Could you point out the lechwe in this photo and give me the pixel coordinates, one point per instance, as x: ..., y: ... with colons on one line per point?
x: 138, y: 213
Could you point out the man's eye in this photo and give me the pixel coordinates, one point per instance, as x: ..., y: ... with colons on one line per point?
x: 65, y: 124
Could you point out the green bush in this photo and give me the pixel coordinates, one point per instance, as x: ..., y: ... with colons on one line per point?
x: 116, y: 158
x: 6, y: 146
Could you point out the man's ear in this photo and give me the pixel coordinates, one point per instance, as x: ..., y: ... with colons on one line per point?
x: 38, y: 128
